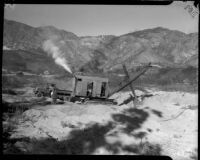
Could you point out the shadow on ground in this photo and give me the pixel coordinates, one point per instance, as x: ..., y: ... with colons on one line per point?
x: 128, y: 100
x: 131, y: 118
x: 157, y: 113
x: 88, y: 140
x: 132, y: 98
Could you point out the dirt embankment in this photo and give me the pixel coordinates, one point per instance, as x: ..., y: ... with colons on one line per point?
x: 159, y: 124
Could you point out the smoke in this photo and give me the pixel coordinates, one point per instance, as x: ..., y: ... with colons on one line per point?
x: 53, y: 50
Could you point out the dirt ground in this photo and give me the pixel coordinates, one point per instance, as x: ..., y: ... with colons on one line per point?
x: 167, y: 121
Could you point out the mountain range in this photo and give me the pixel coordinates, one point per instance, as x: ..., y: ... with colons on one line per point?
x: 23, y: 49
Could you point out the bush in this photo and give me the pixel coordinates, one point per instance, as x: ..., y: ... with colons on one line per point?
x: 9, y: 91
x: 14, y: 82
x: 150, y: 149
x: 19, y: 73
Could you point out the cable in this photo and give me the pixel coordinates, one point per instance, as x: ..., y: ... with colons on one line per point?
x: 177, y: 115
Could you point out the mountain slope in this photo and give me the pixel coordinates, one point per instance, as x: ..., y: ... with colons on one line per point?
x: 158, y: 45
x: 103, y: 53
x: 20, y: 60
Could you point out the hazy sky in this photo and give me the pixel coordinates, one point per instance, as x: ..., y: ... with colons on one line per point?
x: 104, y: 19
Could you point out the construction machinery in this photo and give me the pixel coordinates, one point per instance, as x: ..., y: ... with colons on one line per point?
x: 46, y: 92
x: 42, y: 91
x: 96, y: 89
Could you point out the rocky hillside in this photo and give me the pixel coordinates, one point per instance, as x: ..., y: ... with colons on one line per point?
x: 31, y: 62
x: 162, y: 46
x: 158, y: 45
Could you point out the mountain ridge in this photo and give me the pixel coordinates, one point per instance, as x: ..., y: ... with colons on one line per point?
x: 107, y: 52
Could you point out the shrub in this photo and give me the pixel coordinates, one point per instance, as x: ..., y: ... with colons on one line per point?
x: 9, y: 91
x: 150, y: 149
x: 19, y: 73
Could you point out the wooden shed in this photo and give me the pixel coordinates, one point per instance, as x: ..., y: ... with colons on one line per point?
x: 89, y: 86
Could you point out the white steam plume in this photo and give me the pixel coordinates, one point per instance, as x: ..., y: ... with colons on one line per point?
x: 55, y: 52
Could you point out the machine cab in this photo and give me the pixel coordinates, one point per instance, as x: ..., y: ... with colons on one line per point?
x: 89, y: 86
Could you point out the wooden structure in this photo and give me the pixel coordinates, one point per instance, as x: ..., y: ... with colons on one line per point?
x: 89, y: 86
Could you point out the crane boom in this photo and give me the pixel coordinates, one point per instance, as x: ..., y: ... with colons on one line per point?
x: 128, y: 83
x: 128, y: 78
